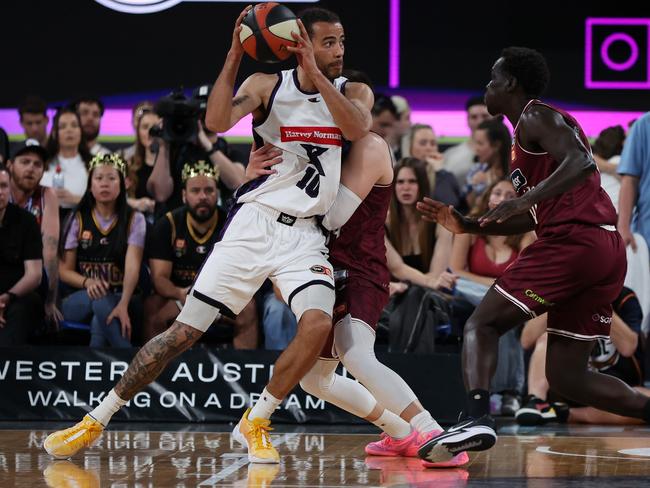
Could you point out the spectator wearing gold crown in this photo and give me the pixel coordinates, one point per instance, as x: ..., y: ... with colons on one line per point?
x: 101, y: 255
x: 177, y: 246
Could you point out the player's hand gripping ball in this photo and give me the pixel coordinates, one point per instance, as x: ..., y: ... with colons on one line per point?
x: 266, y: 32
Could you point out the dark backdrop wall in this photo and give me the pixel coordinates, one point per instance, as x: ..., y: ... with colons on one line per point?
x: 58, y: 49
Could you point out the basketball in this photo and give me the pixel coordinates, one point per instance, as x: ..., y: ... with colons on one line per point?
x: 266, y: 32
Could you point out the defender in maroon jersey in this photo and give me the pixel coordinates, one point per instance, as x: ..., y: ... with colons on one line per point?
x: 574, y: 271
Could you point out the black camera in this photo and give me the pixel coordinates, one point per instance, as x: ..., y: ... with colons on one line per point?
x: 181, y: 115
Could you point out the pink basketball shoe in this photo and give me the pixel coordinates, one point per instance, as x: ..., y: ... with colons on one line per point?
x: 388, y: 446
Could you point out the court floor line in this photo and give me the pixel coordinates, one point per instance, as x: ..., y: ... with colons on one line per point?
x: 236, y: 466
x: 547, y: 450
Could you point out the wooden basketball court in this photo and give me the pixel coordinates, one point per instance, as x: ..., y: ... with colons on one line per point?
x: 560, y: 456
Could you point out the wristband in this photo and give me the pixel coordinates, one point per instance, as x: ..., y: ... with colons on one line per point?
x: 12, y: 296
x: 213, y: 149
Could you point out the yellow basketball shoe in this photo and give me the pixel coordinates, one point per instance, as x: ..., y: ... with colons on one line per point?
x: 65, y: 443
x: 254, y: 435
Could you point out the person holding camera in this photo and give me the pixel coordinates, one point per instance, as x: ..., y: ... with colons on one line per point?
x: 184, y: 138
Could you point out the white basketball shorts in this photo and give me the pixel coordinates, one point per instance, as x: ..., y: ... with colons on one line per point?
x: 257, y: 245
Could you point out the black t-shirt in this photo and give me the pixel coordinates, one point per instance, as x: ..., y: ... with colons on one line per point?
x: 143, y: 175
x: 20, y: 241
x: 173, y: 240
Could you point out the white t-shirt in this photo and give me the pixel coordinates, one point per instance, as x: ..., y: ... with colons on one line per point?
x: 75, y: 175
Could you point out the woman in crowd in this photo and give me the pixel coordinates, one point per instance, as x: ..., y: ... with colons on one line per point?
x: 67, y: 171
x: 101, y: 255
x: 141, y: 164
x: 424, y: 146
x: 492, y: 143
x: 416, y: 250
x: 479, y: 261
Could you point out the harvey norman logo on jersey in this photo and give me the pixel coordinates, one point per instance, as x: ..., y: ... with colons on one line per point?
x: 331, y: 136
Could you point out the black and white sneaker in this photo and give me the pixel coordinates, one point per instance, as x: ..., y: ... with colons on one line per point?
x: 538, y: 412
x: 467, y: 435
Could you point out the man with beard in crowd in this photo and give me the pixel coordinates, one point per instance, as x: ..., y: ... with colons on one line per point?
x: 91, y: 111
x: 179, y: 243
x: 26, y: 170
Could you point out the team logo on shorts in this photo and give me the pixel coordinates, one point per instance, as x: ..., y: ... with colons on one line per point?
x: 518, y: 179
x: 601, y: 319
x: 318, y: 269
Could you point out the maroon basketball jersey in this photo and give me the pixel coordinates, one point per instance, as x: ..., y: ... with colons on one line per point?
x: 586, y: 203
x: 360, y: 248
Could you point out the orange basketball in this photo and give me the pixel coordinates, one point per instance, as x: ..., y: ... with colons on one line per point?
x: 266, y: 32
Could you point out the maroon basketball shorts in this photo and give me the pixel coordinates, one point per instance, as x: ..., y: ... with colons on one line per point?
x: 574, y: 272
x: 358, y: 297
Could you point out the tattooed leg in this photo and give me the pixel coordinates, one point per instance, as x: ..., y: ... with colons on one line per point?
x: 153, y: 357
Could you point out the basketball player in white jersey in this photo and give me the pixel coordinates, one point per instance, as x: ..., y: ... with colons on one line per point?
x: 381, y: 396
x: 272, y: 231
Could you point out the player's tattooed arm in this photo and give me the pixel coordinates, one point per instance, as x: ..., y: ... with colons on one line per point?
x: 153, y: 357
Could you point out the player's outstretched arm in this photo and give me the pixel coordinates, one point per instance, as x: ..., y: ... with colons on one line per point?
x: 455, y: 222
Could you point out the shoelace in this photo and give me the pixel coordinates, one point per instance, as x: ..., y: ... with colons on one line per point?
x: 260, y: 431
x: 84, y: 431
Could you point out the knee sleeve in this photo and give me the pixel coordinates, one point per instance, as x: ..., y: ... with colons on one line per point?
x: 345, y: 393
x: 354, y: 341
x: 314, y: 297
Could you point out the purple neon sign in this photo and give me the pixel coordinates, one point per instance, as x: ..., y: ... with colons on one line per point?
x: 393, y: 44
x: 617, y: 36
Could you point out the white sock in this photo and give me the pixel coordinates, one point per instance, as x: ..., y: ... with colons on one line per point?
x: 424, y: 422
x: 393, y: 425
x: 264, y: 407
x: 107, y: 408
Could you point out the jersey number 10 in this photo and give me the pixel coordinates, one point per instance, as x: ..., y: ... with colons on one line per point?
x: 310, y: 182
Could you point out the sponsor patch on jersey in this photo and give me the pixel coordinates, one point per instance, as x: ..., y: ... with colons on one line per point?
x: 180, y: 246
x: 201, y: 249
x: 331, y: 136
x: 518, y: 179
x: 86, y: 239
x: 103, y: 241
x: 318, y: 269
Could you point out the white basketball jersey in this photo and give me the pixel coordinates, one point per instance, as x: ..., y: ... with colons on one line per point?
x: 299, y: 123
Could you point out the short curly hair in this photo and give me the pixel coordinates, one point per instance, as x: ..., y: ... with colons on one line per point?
x: 528, y: 67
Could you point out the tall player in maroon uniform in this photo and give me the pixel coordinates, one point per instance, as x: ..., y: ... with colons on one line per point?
x: 574, y: 271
